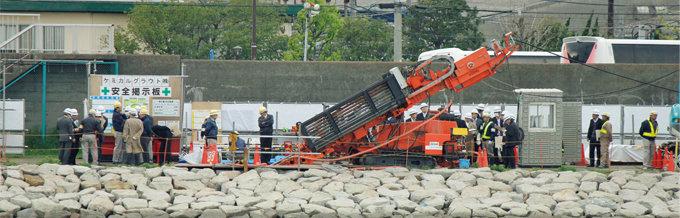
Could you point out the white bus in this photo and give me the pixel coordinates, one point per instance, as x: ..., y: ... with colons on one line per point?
x: 516, y: 57
x: 598, y: 50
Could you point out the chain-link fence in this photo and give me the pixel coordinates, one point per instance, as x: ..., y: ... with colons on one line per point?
x: 57, y: 85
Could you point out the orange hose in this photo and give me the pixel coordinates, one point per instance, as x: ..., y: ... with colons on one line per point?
x: 383, y: 144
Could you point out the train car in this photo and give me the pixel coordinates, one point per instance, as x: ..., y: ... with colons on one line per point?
x: 598, y: 50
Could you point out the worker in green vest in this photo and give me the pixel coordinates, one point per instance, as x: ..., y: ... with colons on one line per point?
x: 648, y: 130
x: 488, y: 133
x: 605, y: 139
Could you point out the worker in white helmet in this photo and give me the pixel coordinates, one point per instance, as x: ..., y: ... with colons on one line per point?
x: 132, y: 131
x: 77, y: 134
x: 605, y: 139
x: 91, y: 128
x: 424, y: 112
x: 104, y: 124
x: 66, y: 140
x: 266, y: 123
x: 472, y: 132
x: 593, y: 132
x: 480, y: 109
x: 412, y: 113
x: 511, y: 139
x: 488, y: 134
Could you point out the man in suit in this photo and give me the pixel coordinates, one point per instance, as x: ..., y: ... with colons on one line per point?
x: 265, y: 122
x: 91, y: 128
x: 65, y: 128
x: 425, y: 113
x: 76, y: 135
x: 595, y: 126
x: 413, y: 114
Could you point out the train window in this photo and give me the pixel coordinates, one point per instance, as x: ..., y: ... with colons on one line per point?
x: 542, y: 117
x: 579, y: 51
x: 630, y: 53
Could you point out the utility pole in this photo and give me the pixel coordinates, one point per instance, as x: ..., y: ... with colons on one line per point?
x: 610, y: 19
x: 397, y: 32
x: 253, y: 45
x: 354, y: 9
x: 345, y: 8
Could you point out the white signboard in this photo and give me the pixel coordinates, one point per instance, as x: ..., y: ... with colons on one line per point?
x: 166, y: 108
x: 135, y: 91
x: 136, y: 81
x: 14, y: 114
x: 433, y: 146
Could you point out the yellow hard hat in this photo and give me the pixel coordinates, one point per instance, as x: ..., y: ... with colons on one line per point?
x: 263, y: 109
x: 606, y: 114
x: 213, y: 112
x: 144, y: 111
x: 206, y: 117
x: 652, y: 113
x: 92, y: 111
x: 117, y: 104
x: 144, y: 107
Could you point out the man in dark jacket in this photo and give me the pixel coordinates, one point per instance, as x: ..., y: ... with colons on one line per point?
x: 265, y: 122
x: 648, y: 130
x: 77, y: 134
x: 593, y: 129
x: 488, y: 133
x: 424, y: 112
x: 119, y: 118
x: 91, y: 127
x: 512, y: 139
x: 66, y: 140
x: 147, y: 156
x: 164, y: 134
x: 211, y: 129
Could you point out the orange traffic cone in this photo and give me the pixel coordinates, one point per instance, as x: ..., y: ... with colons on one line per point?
x: 256, y: 157
x: 485, y: 160
x: 583, y: 157
x: 479, y: 157
x: 656, y: 160
x: 671, y: 163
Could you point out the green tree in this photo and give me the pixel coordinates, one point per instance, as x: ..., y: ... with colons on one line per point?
x: 364, y: 39
x: 671, y: 31
x: 123, y: 43
x: 193, y: 29
x: 444, y: 24
x: 323, y: 29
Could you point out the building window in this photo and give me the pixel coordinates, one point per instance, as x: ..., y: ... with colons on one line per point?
x: 542, y: 117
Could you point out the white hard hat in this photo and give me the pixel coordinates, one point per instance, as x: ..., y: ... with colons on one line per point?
x: 138, y: 108
x: 508, y: 117
x: 101, y: 108
x: 98, y: 114
x: 456, y: 113
x: 132, y: 111
x: 497, y: 109
x: 480, y: 107
x: 74, y: 112
x: 423, y: 105
x: 127, y: 108
x: 596, y: 112
x: 67, y: 111
x: 474, y: 112
x: 493, y: 115
x: 468, y: 116
x: 505, y: 113
x: 412, y: 111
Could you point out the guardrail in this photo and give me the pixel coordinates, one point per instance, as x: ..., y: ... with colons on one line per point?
x: 61, y: 39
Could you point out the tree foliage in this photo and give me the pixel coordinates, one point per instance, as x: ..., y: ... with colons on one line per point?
x: 364, y: 39
x: 545, y: 33
x: 670, y: 25
x: 444, y: 24
x: 323, y: 29
x: 123, y: 43
x: 193, y: 29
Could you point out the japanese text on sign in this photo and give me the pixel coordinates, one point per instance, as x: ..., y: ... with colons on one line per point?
x: 166, y: 108
x: 135, y: 91
x: 136, y: 81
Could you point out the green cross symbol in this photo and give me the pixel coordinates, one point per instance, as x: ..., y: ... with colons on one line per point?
x: 105, y: 91
x: 166, y: 91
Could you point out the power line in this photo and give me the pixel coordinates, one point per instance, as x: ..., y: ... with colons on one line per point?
x: 527, y: 12
x: 596, y: 4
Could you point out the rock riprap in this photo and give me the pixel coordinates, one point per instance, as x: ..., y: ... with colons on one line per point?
x: 51, y: 190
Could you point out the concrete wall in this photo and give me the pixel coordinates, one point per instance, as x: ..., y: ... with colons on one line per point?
x: 333, y: 81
